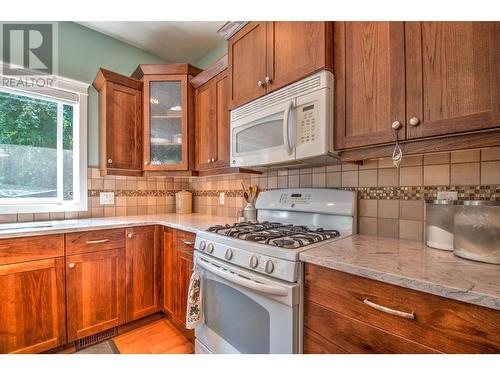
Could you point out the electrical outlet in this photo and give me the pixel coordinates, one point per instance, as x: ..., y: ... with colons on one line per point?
x: 448, y: 195
x: 107, y: 197
x: 221, y: 198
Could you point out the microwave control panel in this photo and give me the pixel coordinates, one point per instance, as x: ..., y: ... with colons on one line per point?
x: 307, y: 119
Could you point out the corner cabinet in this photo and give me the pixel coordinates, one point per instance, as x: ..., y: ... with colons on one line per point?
x: 168, y: 122
x: 434, y: 78
x: 265, y: 56
x: 120, y: 124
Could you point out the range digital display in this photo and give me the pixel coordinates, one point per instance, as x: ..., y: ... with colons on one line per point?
x: 296, y: 195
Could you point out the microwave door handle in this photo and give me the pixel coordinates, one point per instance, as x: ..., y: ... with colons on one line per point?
x: 286, y: 136
x: 267, y: 289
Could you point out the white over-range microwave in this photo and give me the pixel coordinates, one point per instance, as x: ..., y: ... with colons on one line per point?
x: 292, y: 126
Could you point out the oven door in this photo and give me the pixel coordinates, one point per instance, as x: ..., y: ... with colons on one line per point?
x: 245, y: 312
x: 264, y: 137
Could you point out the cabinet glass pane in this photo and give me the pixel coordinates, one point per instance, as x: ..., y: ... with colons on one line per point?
x: 165, y: 108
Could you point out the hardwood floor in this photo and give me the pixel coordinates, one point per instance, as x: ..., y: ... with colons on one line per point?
x: 158, y: 337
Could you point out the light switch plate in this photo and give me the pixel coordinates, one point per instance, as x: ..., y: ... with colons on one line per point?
x: 448, y: 195
x: 107, y: 197
x: 221, y: 198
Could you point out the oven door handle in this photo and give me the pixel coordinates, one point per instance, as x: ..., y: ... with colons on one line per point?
x: 267, y: 289
x: 286, y: 135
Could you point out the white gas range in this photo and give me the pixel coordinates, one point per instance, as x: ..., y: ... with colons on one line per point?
x: 251, y: 273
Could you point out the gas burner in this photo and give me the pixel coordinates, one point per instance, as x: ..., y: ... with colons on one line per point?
x: 287, y: 236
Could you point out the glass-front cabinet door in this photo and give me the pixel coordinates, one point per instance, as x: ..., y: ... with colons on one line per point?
x: 165, y: 122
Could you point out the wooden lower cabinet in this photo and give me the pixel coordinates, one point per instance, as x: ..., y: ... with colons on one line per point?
x: 178, y: 249
x: 32, y: 310
x: 95, y: 292
x: 143, y: 274
x: 337, y: 316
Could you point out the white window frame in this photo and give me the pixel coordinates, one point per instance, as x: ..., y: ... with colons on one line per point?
x: 61, y: 87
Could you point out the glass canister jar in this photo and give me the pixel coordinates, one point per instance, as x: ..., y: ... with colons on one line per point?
x: 439, y: 223
x: 477, y: 231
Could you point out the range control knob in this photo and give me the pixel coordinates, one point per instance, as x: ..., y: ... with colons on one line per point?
x: 203, y: 245
x: 254, y: 262
x: 269, y: 267
x: 229, y: 254
x: 210, y: 248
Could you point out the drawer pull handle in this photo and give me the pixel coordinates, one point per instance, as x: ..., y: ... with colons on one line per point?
x: 387, y: 310
x: 189, y: 243
x: 96, y: 241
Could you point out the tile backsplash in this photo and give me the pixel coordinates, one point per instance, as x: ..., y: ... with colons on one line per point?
x: 390, y: 200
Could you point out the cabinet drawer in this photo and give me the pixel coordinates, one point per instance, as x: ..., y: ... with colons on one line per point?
x: 184, y: 241
x: 339, y: 332
x: 441, y: 323
x: 16, y: 250
x: 86, y: 242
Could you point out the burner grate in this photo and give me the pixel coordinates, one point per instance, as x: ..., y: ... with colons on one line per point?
x: 287, y: 236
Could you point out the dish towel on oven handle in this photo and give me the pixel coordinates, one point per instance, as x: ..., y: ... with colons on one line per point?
x: 194, y: 313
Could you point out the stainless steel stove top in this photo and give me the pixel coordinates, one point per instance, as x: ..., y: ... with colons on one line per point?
x: 286, y: 236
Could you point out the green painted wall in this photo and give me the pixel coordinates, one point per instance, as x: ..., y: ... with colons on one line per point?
x: 212, y: 56
x: 82, y: 52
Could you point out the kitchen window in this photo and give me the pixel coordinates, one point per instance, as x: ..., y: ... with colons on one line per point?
x: 43, y: 147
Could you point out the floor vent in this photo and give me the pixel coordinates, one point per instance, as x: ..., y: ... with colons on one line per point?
x: 95, y: 338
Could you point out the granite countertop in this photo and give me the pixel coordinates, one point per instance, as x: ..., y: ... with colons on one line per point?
x: 187, y: 222
x: 412, y: 265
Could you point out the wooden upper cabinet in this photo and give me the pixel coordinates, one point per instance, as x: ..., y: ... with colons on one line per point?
x: 222, y: 118
x: 32, y: 316
x: 212, y: 123
x: 95, y: 292
x: 296, y: 50
x: 120, y: 128
x: 265, y: 56
x: 206, y: 125
x: 453, y: 77
x: 247, y: 63
x: 369, y: 68
x: 142, y: 256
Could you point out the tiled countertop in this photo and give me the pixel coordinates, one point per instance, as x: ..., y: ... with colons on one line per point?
x: 188, y: 222
x: 412, y: 265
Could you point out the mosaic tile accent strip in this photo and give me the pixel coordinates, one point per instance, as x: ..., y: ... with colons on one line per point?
x: 134, y: 193
x: 477, y: 192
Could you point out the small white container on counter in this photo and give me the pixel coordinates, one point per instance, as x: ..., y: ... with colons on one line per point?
x: 439, y: 224
x: 183, y: 202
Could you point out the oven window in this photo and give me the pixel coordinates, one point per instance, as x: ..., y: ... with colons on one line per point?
x: 261, y: 136
x: 236, y: 318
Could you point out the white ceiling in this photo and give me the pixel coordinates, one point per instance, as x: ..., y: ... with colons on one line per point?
x: 175, y: 41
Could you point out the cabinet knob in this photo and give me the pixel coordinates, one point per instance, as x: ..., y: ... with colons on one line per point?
x: 396, y: 125
x: 110, y: 161
x: 146, y: 163
x: 129, y: 235
x: 414, y: 121
x: 260, y: 83
x: 268, y: 80
x: 208, y: 161
x: 71, y: 265
x: 213, y: 159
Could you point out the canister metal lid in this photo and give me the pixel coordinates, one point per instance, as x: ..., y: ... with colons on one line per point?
x: 479, y: 203
x: 441, y: 202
